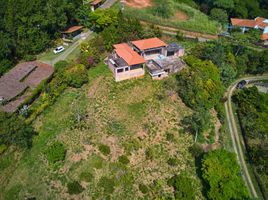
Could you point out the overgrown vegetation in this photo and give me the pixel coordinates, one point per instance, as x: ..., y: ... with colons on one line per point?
x: 253, y: 112
x: 164, y: 13
x: 55, y: 152
x: 221, y: 172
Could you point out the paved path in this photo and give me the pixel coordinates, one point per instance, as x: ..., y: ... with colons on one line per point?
x: 236, y: 139
x: 72, y: 47
x: 108, y: 4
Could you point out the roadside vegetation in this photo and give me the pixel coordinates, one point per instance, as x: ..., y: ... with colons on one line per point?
x: 252, y: 114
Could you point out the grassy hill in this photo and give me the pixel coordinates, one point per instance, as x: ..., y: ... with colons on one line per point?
x: 120, y: 139
x: 174, y: 14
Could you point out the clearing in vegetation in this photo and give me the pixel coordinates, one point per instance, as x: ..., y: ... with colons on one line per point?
x: 114, y: 145
x: 138, y: 3
x: 176, y: 15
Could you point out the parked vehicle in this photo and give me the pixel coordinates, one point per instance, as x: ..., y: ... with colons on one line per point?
x: 58, y: 49
x: 241, y: 84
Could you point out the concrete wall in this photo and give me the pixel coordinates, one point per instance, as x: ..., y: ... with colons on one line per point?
x: 129, y: 74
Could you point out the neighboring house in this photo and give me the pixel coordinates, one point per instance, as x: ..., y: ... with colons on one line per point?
x: 258, y: 23
x: 17, y: 84
x: 95, y: 4
x: 127, y: 60
x: 71, y: 34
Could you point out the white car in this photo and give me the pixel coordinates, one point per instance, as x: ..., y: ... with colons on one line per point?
x: 59, y: 49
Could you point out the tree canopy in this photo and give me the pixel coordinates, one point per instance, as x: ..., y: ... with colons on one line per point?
x: 222, y: 173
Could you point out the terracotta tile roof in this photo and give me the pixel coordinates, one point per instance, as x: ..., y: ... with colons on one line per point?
x: 264, y: 36
x: 127, y: 54
x: 73, y: 29
x: 95, y: 2
x: 149, y: 43
x: 259, y: 19
x: 262, y: 25
x: 243, y: 22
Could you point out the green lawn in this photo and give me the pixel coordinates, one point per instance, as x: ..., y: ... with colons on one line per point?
x: 137, y: 119
x: 197, y: 21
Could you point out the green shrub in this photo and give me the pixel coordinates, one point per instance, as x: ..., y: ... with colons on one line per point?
x: 61, y: 66
x: 104, y: 149
x: 124, y: 159
x: 76, y: 76
x: 3, y: 148
x: 170, y: 137
x: 149, y: 153
x: 74, y: 188
x: 172, y: 162
x: 29, y: 58
x: 86, y: 176
x: 55, y: 152
x: 143, y: 188
x: 107, y: 184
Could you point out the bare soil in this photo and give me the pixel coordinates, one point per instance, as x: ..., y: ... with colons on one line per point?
x: 138, y: 3
x: 181, y: 16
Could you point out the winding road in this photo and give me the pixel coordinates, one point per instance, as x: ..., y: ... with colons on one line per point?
x: 236, y: 139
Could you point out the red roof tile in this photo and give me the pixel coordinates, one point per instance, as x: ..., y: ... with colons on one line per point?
x: 149, y: 43
x: 73, y: 29
x: 243, y: 22
x: 264, y: 36
x: 129, y: 55
x: 95, y: 2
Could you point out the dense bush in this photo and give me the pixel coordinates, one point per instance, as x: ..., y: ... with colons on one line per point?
x: 15, y: 131
x: 86, y: 176
x: 123, y: 159
x: 183, y: 186
x: 76, y: 76
x: 74, y: 187
x: 104, y: 149
x: 172, y: 162
x: 163, y: 8
x: 55, y: 152
x: 107, y: 184
x: 143, y: 188
x: 228, y: 184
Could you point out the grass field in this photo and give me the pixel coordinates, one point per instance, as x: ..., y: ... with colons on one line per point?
x: 194, y: 20
x: 136, y: 121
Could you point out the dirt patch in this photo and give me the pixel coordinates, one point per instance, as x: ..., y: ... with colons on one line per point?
x: 92, y: 90
x: 138, y: 3
x: 181, y: 16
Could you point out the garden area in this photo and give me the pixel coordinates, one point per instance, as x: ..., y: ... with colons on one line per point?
x: 174, y: 14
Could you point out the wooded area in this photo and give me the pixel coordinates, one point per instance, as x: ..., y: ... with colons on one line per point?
x: 28, y: 27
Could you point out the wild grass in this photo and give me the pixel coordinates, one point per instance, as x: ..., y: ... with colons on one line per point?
x: 130, y: 119
x: 197, y: 22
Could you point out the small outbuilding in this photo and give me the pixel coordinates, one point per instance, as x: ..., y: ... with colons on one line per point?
x: 95, y: 4
x: 72, y: 33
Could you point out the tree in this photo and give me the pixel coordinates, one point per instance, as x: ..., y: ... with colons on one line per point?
x: 198, y: 122
x: 222, y: 173
x: 183, y: 186
x: 226, y: 4
x: 14, y: 131
x: 219, y: 15
x: 76, y: 76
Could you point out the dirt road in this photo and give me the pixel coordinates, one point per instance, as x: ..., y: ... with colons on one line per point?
x: 236, y: 139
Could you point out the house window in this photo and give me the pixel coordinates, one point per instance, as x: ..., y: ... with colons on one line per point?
x: 120, y: 70
x: 170, y: 53
x: 155, y: 51
x: 126, y: 69
x: 135, y: 67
